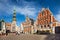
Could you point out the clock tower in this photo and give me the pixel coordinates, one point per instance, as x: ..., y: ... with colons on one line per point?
x: 13, y: 25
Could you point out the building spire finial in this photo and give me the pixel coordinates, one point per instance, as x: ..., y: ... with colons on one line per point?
x: 14, y: 14
x: 14, y: 9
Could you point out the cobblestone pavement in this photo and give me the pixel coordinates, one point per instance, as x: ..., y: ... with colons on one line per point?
x: 30, y: 37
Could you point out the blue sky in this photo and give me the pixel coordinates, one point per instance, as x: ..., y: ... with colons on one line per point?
x: 27, y: 7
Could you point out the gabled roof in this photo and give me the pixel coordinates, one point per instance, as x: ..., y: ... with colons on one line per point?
x: 2, y: 20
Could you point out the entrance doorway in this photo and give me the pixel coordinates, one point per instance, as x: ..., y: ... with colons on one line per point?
x: 57, y: 30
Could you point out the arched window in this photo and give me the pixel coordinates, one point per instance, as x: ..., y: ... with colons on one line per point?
x: 49, y: 26
x: 45, y: 26
x: 41, y: 26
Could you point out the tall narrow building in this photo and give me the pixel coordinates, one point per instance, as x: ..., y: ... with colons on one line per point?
x: 2, y: 26
x: 13, y: 25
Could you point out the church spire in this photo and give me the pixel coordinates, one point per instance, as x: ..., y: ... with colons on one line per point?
x: 14, y: 15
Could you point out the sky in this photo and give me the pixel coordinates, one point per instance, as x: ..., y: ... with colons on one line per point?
x: 27, y: 7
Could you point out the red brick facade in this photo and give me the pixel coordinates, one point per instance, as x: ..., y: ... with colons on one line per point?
x: 45, y: 18
x: 45, y: 21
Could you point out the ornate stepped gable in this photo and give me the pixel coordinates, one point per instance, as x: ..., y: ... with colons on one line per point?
x: 27, y: 25
x: 45, y: 17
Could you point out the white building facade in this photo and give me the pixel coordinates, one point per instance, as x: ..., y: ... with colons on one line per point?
x: 2, y: 27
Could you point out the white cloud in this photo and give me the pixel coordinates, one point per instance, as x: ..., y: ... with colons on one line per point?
x: 26, y: 11
x: 5, y: 8
x: 58, y: 16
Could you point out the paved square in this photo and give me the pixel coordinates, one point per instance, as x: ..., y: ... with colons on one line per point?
x: 31, y: 37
